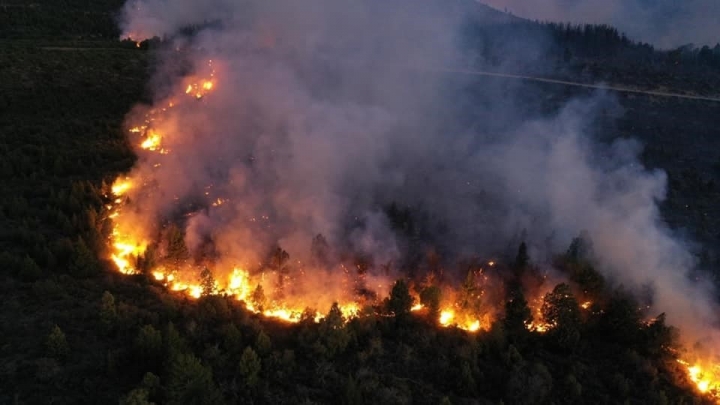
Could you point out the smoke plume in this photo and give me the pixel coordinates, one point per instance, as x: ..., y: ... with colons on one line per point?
x: 323, y: 113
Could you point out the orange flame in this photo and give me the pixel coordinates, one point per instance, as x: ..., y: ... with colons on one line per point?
x: 706, y: 380
x: 121, y: 186
x: 152, y: 141
x: 126, y: 246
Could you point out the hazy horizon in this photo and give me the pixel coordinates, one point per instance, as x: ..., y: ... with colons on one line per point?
x: 662, y: 23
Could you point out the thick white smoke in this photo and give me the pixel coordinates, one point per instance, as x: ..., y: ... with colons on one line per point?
x: 324, y: 114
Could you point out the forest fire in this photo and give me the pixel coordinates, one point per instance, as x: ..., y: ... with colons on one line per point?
x: 157, y: 247
x: 706, y: 379
x: 152, y: 140
x: 121, y: 186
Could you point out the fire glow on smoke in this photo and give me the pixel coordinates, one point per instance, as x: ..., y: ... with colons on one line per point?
x: 194, y: 126
x: 141, y: 240
x: 263, y: 291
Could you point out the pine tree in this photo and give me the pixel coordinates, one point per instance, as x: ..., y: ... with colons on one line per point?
x: 108, y: 311
x: 249, y: 367
x: 207, y: 282
x: 522, y: 259
x: 177, y: 251
x: 189, y: 382
x: 561, y: 310
x: 430, y: 298
x: 257, y: 298
x: 517, y: 314
x: 56, y: 344
x: 400, y: 300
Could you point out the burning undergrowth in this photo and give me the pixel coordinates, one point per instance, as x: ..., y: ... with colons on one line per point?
x: 299, y: 155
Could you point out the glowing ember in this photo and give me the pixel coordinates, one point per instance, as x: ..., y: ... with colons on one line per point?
x: 152, y: 141
x: 539, y: 327
x: 586, y: 305
x: 200, y: 88
x: 284, y: 314
x: 122, y: 264
x: 472, y: 327
x: 707, y: 380
x: 350, y: 310
x: 123, y: 251
x: 239, y: 284
x: 121, y: 186
x: 446, y: 317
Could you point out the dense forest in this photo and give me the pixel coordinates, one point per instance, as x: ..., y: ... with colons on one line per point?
x: 75, y: 331
x: 596, y: 53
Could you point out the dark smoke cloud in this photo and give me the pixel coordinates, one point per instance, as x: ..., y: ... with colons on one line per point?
x: 324, y: 114
x: 664, y: 23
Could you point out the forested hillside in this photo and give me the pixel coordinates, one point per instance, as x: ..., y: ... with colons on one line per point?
x: 74, y: 331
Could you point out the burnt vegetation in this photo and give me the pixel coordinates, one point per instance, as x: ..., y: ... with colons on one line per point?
x: 73, y: 331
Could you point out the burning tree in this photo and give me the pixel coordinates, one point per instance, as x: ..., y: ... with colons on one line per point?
x: 561, y: 311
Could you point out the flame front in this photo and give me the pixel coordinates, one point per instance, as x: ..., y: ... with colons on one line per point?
x: 152, y: 141
x: 705, y: 377
x: 130, y: 240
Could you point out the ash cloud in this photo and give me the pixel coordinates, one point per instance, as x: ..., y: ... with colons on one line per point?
x: 325, y: 112
x: 663, y: 23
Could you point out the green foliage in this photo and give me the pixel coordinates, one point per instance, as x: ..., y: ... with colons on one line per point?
x: 108, y: 310
x: 138, y: 396
x: 64, y: 95
x: 263, y: 344
x: 173, y: 342
x: 659, y: 339
x: 517, y: 314
x: 148, y: 346
x: 620, y: 320
x: 573, y: 388
x: 469, y: 297
x: 249, y: 367
x: 400, y: 300
x: 430, y: 297
x: 151, y: 383
x: 232, y: 338
x: 529, y: 384
x: 352, y: 394
x: 333, y: 334
x: 85, y: 262
x: 29, y: 269
x: 189, y: 382
x: 561, y: 310
x: 56, y: 344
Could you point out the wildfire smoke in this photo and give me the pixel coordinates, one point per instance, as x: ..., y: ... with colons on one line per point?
x: 282, y: 134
